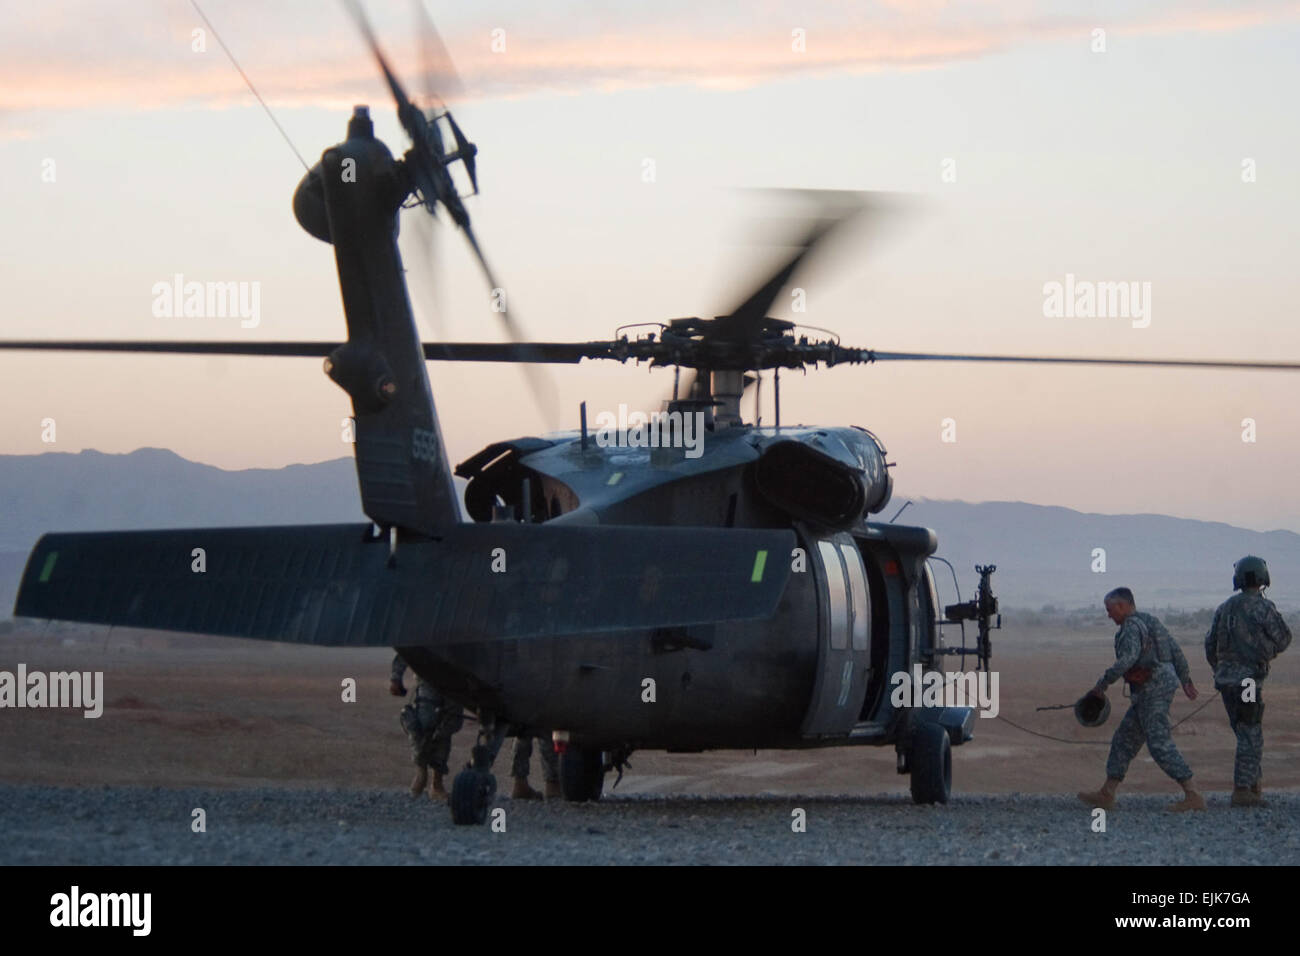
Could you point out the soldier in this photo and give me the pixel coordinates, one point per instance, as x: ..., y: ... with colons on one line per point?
x: 429, y: 722
x: 1154, y: 666
x: 519, y: 768
x: 1246, y: 634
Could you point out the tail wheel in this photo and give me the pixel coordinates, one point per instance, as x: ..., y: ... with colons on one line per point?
x: 931, y: 763
x: 471, y: 795
x: 582, y: 774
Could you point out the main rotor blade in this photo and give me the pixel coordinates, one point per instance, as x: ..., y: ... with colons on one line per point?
x: 570, y: 353
x: 551, y: 353
x: 298, y: 349
x: 1070, y: 360
x: 544, y: 353
x: 745, y: 320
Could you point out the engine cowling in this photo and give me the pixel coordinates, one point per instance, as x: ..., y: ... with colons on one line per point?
x: 832, y: 477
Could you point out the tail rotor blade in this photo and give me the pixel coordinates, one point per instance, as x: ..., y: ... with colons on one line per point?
x: 439, y: 78
x: 467, y: 151
x: 404, y: 103
x: 539, y: 383
x: 425, y: 230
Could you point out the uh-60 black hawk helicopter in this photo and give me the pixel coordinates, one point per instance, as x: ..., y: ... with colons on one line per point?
x: 748, y: 583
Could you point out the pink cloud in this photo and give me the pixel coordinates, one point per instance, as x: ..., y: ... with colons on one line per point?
x: 78, y: 63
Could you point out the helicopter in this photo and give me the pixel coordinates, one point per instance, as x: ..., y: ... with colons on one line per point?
x: 683, y: 582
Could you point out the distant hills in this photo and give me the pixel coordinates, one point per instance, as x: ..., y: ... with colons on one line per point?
x: 155, y: 488
x: 1045, y: 555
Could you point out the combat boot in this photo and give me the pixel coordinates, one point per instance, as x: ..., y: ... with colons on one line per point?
x: 1245, y: 797
x: 522, y: 791
x: 1104, y: 798
x: 437, y: 791
x: 1191, y: 801
x: 419, y: 781
x: 553, y: 790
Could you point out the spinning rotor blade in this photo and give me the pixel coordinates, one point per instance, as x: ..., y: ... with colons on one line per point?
x: 423, y: 289
x: 744, y: 322
x: 407, y: 112
x: 438, y: 73
x: 441, y: 81
x: 467, y: 151
x: 539, y: 382
x: 429, y: 170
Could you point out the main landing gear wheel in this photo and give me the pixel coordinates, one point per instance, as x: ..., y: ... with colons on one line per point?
x: 471, y: 796
x: 931, y: 763
x: 582, y: 774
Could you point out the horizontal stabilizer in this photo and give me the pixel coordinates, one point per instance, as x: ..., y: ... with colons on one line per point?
x: 336, y: 585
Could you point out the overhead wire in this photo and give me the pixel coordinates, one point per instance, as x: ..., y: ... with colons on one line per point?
x: 249, y: 83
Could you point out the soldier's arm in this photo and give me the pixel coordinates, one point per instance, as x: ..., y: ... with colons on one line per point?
x: 1278, y: 633
x: 395, y: 677
x: 1128, y: 648
x: 1180, y: 662
x: 1211, y: 640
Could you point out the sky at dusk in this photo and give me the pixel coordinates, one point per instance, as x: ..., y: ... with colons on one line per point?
x: 1020, y: 153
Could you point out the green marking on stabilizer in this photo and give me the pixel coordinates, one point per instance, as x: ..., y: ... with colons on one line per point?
x: 760, y: 562
x: 49, y: 566
x: 615, y: 478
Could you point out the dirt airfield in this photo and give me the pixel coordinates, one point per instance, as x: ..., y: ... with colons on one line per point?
x: 203, y: 714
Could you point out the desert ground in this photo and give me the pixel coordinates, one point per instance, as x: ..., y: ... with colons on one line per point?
x: 215, y: 721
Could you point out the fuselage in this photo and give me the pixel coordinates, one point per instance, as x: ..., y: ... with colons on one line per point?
x: 851, y: 613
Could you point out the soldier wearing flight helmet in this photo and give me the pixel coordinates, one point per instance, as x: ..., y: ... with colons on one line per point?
x: 1246, y: 634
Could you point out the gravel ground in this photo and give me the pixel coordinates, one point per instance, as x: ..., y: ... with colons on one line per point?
x: 128, y: 825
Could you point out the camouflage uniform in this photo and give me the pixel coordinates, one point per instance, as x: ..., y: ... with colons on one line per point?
x: 1142, y: 641
x: 545, y: 751
x: 1246, y: 634
x: 429, y: 721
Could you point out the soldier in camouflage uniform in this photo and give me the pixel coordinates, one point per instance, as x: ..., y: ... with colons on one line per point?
x: 519, y: 768
x: 1154, y: 666
x: 1246, y: 634
x: 429, y: 721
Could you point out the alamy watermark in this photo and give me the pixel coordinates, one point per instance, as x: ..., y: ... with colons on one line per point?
x: 922, y: 688
x: 655, y: 430
x: 76, y: 689
x: 208, y: 300
x: 75, y: 908
x: 1085, y: 299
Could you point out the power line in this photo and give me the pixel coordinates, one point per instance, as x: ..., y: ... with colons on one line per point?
x: 249, y: 83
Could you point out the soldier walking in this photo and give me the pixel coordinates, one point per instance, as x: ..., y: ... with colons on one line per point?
x: 1247, y: 633
x: 429, y: 721
x: 1153, y: 665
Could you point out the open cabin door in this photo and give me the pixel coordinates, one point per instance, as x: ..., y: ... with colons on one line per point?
x: 844, y: 636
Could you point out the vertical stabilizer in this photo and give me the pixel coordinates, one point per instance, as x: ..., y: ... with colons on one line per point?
x: 351, y: 199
